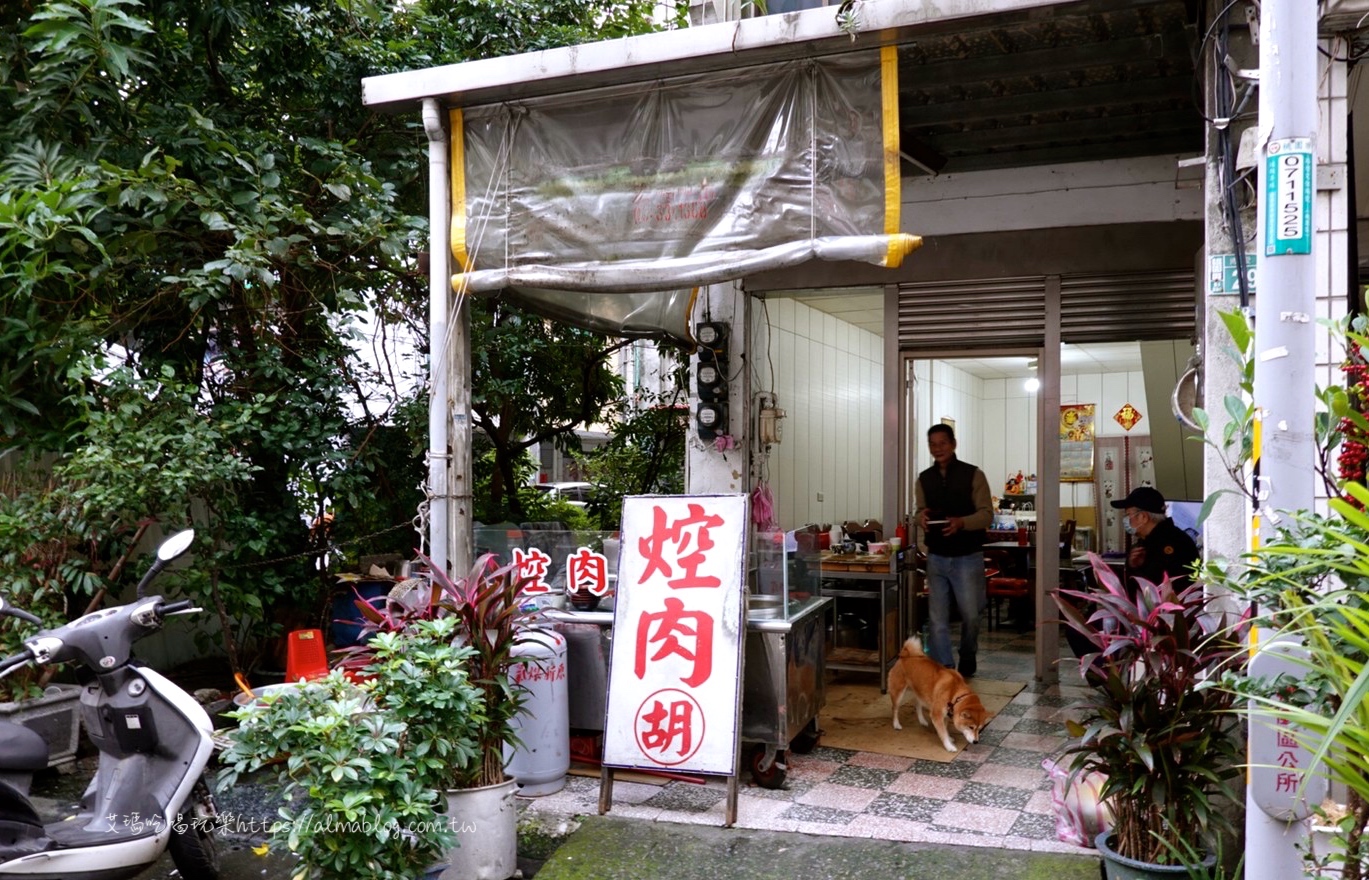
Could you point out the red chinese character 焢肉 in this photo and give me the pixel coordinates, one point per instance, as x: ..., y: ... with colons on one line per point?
x: 681, y: 544
x: 665, y: 724
x: 672, y: 622
x: 531, y: 564
x: 587, y: 570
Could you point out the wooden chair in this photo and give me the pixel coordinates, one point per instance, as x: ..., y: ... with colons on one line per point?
x: 1067, y: 529
x: 1002, y: 587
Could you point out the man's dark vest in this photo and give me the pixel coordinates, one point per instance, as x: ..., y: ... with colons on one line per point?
x: 951, y: 495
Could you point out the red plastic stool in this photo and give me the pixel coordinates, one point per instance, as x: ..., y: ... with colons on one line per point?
x: 305, y: 655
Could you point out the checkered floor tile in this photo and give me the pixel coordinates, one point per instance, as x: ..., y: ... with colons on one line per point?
x: 993, y: 793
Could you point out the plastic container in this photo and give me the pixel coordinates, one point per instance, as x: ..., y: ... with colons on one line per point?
x: 346, y: 626
x: 540, y: 763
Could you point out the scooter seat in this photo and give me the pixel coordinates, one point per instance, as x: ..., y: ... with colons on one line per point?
x: 18, y: 839
x: 21, y: 748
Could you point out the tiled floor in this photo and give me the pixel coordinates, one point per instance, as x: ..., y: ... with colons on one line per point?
x: 993, y: 793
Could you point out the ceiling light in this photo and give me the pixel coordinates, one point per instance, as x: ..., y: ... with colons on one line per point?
x: 1032, y: 385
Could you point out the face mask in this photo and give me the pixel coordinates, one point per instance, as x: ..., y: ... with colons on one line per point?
x: 1126, y: 524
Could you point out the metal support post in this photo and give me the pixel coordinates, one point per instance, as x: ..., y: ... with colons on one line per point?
x: 439, y: 296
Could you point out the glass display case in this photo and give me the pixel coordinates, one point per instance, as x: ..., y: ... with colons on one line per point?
x: 782, y: 579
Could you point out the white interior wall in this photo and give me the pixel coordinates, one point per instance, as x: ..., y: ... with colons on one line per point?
x: 943, y: 391
x: 1109, y: 392
x: 827, y: 377
x: 995, y: 419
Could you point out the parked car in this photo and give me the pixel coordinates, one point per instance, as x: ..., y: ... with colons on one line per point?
x: 576, y: 494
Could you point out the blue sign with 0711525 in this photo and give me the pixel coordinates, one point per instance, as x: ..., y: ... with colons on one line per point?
x: 1288, y: 197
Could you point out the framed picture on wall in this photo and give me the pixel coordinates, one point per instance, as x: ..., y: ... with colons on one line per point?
x: 1076, y: 443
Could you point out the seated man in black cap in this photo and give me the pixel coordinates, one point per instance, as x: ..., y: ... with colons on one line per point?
x: 1164, y: 549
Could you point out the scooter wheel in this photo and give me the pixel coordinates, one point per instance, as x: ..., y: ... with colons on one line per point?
x: 193, y: 848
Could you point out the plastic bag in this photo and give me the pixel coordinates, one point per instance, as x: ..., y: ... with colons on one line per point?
x: 1080, y: 813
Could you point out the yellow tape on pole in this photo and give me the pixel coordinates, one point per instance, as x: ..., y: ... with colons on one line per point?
x: 1257, y: 430
x: 458, y: 174
x: 893, y: 190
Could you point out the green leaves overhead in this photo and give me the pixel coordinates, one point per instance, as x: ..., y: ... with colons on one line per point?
x: 195, y: 186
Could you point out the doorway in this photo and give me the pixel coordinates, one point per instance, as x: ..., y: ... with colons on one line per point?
x: 1109, y: 398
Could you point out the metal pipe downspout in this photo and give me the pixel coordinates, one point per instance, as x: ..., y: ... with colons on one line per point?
x: 439, y: 292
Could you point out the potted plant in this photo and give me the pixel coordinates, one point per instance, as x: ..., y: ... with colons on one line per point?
x: 362, y: 765
x: 1155, y: 722
x: 482, y: 609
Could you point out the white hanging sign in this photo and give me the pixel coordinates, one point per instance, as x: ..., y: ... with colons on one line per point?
x: 675, y: 672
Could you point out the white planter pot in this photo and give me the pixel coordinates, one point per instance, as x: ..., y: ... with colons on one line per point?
x: 55, y: 716
x: 486, y: 824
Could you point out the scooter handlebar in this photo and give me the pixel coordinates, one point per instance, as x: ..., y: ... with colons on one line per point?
x: 10, y: 611
x: 166, y: 609
x: 14, y: 661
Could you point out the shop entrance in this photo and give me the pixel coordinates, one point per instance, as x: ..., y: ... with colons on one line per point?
x: 1053, y: 461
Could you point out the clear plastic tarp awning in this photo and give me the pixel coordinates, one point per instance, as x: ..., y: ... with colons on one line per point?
x: 608, y: 208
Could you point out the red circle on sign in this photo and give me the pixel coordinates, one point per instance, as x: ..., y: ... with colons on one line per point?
x: 669, y: 726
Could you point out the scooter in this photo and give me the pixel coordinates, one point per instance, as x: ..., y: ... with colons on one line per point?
x: 148, y: 794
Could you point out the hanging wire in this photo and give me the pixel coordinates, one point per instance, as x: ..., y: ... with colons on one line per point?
x: 1227, y: 106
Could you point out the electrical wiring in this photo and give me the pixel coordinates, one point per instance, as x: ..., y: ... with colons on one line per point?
x: 1225, y: 97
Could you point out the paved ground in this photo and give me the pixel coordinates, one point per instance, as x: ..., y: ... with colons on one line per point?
x: 992, y: 794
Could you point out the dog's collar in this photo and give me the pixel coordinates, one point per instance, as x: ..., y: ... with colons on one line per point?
x: 950, y: 707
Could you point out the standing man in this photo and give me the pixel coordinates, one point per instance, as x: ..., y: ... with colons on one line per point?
x: 954, y: 508
x: 1164, y: 549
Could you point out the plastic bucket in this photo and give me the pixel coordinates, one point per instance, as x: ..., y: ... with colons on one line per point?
x: 345, y: 629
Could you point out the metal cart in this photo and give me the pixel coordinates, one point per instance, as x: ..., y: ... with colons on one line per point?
x: 783, y: 684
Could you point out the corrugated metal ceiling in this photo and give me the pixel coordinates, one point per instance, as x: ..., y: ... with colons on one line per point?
x: 1074, y: 83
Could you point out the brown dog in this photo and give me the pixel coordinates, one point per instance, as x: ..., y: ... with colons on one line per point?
x: 940, y: 691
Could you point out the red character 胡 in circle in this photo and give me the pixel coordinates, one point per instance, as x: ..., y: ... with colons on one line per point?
x: 669, y: 727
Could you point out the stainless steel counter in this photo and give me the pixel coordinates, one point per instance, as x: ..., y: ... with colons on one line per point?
x: 782, y: 691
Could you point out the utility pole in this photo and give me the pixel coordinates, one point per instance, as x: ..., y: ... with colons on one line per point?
x: 1284, y: 363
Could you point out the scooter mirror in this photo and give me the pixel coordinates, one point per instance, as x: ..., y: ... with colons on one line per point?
x: 176, y: 545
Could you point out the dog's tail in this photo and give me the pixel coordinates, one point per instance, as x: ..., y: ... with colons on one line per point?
x: 912, y: 648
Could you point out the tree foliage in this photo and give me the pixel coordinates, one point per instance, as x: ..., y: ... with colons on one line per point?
x: 194, y: 186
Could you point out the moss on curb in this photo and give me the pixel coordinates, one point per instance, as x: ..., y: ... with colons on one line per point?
x: 608, y: 848
x: 540, y: 836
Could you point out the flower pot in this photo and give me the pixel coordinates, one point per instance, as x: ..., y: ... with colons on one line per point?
x: 55, y: 716
x: 486, y: 824
x: 1122, y: 868
x: 583, y: 600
